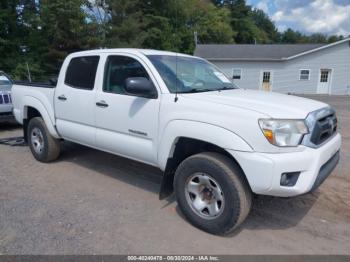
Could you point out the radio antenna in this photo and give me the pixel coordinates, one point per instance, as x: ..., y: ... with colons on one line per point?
x: 175, y: 40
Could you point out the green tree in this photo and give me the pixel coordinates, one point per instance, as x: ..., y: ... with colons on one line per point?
x: 293, y: 37
x: 210, y: 22
x: 166, y: 24
x: 334, y: 38
x: 318, y: 38
x: 124, y: 28
x: 264, y: 23
x: 64, y: 29
x: 243, y: 23
x: 18, y: 22
x: 8, y: 33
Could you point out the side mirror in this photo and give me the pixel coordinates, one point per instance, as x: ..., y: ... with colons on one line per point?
x: 140, y: 86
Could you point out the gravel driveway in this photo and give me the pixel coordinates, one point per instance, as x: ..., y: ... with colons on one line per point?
x: 90, y: 202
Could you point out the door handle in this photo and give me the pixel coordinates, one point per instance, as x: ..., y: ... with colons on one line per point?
x: 62, y: 97
x: 102, y: 104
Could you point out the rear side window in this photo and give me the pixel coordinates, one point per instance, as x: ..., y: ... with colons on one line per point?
x: 81, y: 72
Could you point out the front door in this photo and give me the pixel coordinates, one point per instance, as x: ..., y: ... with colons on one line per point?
x: 266, y: 80
x: 324, y: 81
x: 126, y: 125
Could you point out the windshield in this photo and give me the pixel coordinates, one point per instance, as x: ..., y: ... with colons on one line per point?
x: 189, y: 74
x: 4, y: 80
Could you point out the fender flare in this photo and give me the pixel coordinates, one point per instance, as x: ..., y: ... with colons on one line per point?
x: 29, y: 101
x: 210, y: 133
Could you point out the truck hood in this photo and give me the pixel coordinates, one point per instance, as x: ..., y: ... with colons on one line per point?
x: 5, y: 88
x: 271, y: 104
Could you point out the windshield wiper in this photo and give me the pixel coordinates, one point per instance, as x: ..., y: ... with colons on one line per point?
x: 227, y: 88
x: 198, y: 90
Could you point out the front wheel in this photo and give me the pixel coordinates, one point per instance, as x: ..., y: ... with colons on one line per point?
x: 45, y: 148
x: 212, y: 193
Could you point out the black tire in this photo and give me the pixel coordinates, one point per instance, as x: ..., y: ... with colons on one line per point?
x: 235, y: 191
x: 51, y: 146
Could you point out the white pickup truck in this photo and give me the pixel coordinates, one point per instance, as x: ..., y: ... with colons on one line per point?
x: 215, y: 143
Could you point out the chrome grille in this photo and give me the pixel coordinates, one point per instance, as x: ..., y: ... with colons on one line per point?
x: 5, y: 99
x: 322, y: 125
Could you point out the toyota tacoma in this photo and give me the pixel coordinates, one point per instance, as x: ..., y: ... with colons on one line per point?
x: 216, y: 144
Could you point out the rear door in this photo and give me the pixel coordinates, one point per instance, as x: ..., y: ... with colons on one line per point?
x: 126, y: 125
x: 75, y: 101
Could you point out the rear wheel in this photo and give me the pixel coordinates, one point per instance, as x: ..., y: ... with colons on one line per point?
x: 44, y: 147
x: 212, y: 192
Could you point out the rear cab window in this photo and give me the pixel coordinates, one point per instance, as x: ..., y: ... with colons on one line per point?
x: 81, y: 72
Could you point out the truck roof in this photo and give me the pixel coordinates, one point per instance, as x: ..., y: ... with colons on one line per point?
x: 130, y: 51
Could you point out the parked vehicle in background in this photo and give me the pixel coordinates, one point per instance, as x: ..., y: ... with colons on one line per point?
x: 215, y: 143
x: 5, y: 98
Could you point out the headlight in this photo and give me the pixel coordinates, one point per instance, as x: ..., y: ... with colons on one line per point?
x: 282, y: 132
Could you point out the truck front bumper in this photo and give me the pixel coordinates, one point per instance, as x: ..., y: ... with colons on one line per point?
x: 313, y: 166
x: 6, y: 112
x: 6, y: 116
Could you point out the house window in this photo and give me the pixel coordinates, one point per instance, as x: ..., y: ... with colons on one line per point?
x: 266, y: 77
x: 324, y: 76
x: 304, y: 74
x: 237, y: 73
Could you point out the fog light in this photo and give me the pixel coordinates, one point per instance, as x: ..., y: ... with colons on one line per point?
x: 289, y: 179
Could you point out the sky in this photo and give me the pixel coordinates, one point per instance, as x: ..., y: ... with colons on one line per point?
x: 308, y: 16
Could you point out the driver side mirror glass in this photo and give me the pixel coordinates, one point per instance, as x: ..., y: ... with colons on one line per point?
x: 140, y: 86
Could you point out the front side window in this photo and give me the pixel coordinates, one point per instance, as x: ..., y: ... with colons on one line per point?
x: 304, y: 74
x: 81, y: 72
x: 189, y: 74
x: 118, y: 69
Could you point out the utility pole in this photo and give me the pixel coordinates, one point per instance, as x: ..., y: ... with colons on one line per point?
x: 28, y: 71
x: 23, y: 49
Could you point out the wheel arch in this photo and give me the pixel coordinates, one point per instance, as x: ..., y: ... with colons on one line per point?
x: 34, y: 108
x: 216, y: 135
x: 177, y: 148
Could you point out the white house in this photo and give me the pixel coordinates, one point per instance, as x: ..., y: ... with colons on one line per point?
x: 285, y: 68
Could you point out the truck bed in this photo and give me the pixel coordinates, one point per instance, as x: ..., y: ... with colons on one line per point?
x: 34, y: 84
x: 40, y: 95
